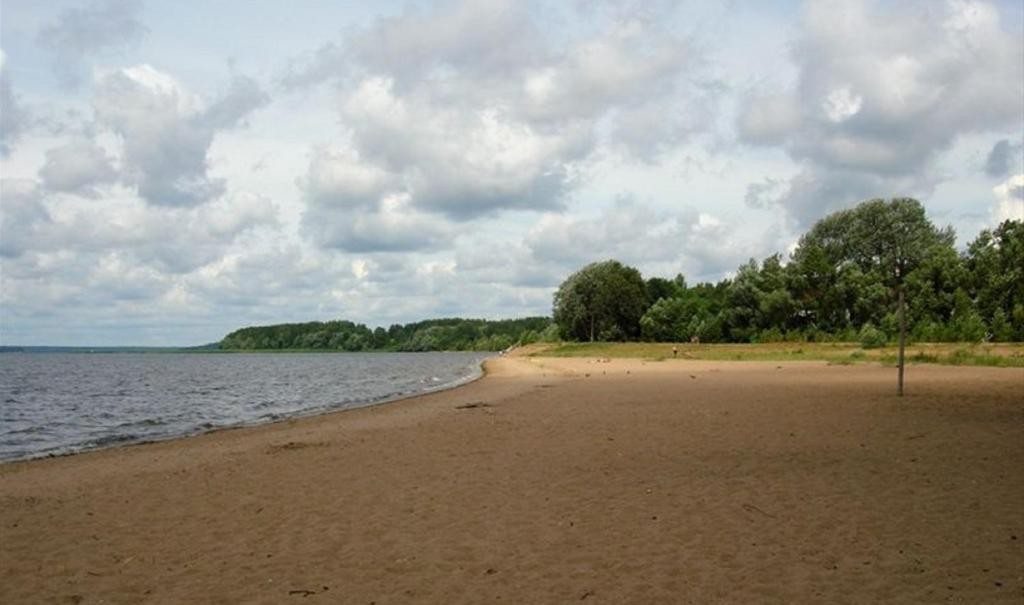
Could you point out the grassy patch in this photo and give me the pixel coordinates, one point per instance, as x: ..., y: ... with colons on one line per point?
x: 998, y: 355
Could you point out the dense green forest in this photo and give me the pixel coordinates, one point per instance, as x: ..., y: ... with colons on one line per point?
x: 430, y: 335
x: 843, y: 282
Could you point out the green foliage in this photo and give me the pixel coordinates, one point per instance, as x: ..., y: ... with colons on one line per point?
x: 659, y: 288
x: 770, y: 335
x: 871, y: 337
x: 841, y: 285
x: 1002, y: 330
x: 994, y: 263
x: 693, y: 313
x: 430, y: 335
x: 666, y: 321
x: 847, y: 269
x: 966, y: 324
x: 842, y: 282
x: 602, y: 301
x: 549, y: 334
x: 757, y: 301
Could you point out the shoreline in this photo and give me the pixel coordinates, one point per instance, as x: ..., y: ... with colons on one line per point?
x: 555, y: 480
x: 289, y: 421
x: 479, y: 373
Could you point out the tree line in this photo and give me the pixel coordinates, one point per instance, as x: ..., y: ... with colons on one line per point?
x: 851, y: 278
x: 844, y: 282
x: 431, y: 335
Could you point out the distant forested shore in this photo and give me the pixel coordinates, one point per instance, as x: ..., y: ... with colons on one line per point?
x: 451, y: 334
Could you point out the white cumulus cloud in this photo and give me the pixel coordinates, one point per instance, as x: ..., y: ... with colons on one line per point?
x: 1009, y: 204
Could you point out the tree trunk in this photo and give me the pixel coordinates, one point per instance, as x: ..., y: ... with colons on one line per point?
x: 903, y: 337
x: 591, y: 327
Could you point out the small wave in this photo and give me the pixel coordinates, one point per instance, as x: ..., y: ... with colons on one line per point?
x: 100, y: 411
x: 111, y: 440
x: 145, y: 422
x: 32, y: 430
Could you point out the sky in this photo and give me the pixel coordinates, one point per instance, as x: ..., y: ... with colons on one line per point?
x: 172, y: 171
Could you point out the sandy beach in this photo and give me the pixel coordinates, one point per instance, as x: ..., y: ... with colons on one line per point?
x: 556, y: 481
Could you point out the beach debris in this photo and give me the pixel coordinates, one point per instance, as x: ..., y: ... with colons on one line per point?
x: 490, y: 571
x: 750, y: 508
x: 294, y: 445
x: 693, y: 376
x: 589, y: 593
x: 473, y: 405
x: 301, y: 592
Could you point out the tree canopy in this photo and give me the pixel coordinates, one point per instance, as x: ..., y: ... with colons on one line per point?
x: 430, y: 335
x: 842, y: 282
x: 602, y: 301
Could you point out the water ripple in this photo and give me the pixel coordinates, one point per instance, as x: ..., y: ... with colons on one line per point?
x: 55, y: 403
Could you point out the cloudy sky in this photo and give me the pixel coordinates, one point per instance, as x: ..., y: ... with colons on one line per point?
x: 174, y: 170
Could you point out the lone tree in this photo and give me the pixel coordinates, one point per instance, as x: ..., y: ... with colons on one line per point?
x: 602, y: 301
x: 888, y: 238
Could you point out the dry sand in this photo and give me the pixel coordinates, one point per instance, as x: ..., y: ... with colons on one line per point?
x: 563, y: 481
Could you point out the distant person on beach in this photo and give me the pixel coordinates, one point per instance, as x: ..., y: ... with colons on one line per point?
x: 675, y: 351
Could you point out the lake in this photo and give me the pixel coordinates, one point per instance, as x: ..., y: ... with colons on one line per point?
x: 58, y: 403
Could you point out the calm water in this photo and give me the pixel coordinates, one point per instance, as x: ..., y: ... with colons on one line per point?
x: 63, y: 402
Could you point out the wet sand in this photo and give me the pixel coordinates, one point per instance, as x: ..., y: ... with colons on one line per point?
x: 556, y: 481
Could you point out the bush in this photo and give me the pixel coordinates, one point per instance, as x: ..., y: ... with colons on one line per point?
x: 969, y: 327
x: 871, y: 337
x: 847, y: 335
x: 890, y: 324
x: 930, y: 331
x: 770, y: 335
x: 1002, y: 331
x: 550, y: 333
x: 796, y: 336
